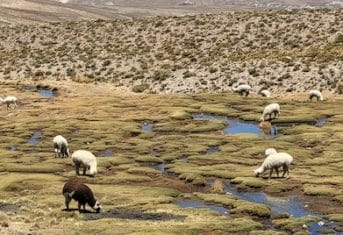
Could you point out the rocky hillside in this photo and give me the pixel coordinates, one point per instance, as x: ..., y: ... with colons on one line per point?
x: 281, y: 50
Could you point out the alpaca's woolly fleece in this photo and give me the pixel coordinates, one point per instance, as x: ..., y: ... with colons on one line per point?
x: 8, y: 100
x: 275, y: 160
x: 86, y: 160
x: 265, y: 93
x: 61, y: 146
x: 77, y: 190
x: 270, y: 109
x: 315, y: 93
x: 242, y: 89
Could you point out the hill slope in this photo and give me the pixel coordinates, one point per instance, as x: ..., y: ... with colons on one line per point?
x: 280, y: 50
x: 31, y: 11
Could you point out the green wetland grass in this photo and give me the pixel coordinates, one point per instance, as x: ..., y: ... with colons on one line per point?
x: 100, y: 118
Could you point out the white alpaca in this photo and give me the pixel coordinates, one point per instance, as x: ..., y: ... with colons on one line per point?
x: 243, y: 89
x: 86, y: 160
x: 315, y: 94
x: 61, y: 146
x: 274, y: 161
x: 270, y: 151
x: 8, y: 100
x: 266, y: 93
x: 270, y: 109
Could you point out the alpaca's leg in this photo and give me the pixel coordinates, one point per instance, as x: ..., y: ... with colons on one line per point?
x: 79, y: 206
x: 77, y: 168
x: 277, y: 171
x: 15, y: 105
x: 67, y: 200
x: 84, y: 170
x: 63, y: 151
x: 285, y: 170
x: 246, y: 93
x: 271, y: 172
x: 84, y: 207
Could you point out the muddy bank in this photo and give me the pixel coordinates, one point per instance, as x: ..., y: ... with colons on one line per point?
x: 132, y: 215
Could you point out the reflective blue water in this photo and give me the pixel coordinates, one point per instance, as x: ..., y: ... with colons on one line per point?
x: 35, y: 138
x: 199, y: 204
x: 147, y: 127
x: 13, y: 148
x: 46, y: 92
x: 183, y: 158
x: 106, y: 153
x: 236, y: 126
x: 321, y: 122
x: 294, y: 206
x: 160, y: 167
x: 212, y: 149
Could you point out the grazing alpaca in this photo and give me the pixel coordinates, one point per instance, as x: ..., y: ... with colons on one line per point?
x: 270, y: 109
x: 8, y: 100
x: 265, y: 93
x: 77, y: 190
x: 315, y: 94
x: 242, y: 89
x: 61, y: 146
x: 274, y: 161
x: 86, y: 160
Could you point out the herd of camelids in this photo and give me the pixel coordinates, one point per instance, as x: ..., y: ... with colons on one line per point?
x: 77, y: 190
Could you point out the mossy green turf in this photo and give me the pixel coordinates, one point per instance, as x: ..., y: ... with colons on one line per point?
x: 96, y: 121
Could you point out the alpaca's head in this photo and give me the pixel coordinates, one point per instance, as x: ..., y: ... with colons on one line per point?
x: 270, y: 151
x: 93, y: 171
x: 258, y: 171
x: 97, y: 207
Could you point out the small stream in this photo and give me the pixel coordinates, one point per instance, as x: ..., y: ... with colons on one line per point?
x: 42, y: 90
x: 237, y: 126
x: 183, y: 158
x: 35, y: 138
x: 147, y: 127
x: 294, y: 206
x: 13, y: 148
x: 187, y: 203
x: 212, y: 150
x: 159, y: 166
x: 321, y: 122
x: 106, y: 153
x: 46, y: 92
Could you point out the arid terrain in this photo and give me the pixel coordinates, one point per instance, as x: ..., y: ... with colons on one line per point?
x: 284, y: 51
x: 37, y: 11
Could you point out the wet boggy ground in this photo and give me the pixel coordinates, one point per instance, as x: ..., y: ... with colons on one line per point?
x: 161, y: 170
